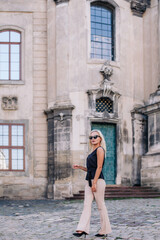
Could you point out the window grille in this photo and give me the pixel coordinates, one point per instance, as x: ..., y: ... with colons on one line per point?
x: 102, y: 31
x: 10, y: 55
x: 12, y: 147
x: 104, y: 104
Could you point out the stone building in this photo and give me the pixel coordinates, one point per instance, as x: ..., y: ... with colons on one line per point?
x: 69, y: 66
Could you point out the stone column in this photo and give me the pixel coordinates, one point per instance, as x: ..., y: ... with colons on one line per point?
x: 62, y: 52
x: 159, y: 41
x: 59, y: 154
x: 51, y: 168
x: 139, y: 129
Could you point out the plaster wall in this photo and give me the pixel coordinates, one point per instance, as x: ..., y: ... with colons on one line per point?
x: 151, y: 49
x: 82, y: 73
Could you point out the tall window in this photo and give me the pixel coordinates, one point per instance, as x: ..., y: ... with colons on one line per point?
x: 12, y: 147
x: 10, y: 55
x: 102, y: 31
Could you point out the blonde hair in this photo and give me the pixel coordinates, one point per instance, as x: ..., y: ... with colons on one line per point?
x: 102, y: 143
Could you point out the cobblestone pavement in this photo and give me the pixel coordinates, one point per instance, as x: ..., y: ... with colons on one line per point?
x: 132, y: 219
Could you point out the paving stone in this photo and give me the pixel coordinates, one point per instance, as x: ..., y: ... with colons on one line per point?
x: 131, y: 219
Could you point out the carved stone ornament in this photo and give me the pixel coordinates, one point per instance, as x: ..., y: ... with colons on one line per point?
x: 139, y: 7
x: 10, y: 103
x: 106, y: 89
x: 60, y: 1
x: 106, y: 72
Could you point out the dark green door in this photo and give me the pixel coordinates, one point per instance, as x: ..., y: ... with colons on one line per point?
x: 109, y: 132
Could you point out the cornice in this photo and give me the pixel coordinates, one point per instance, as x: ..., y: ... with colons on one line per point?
x: 138, y: 7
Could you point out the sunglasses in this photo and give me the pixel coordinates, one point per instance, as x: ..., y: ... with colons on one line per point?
x: 95, y: 137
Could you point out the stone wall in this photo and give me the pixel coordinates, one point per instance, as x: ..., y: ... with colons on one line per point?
x: 150, y: 172
x: 31, y: 19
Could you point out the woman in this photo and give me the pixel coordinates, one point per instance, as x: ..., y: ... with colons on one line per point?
x: 95, y: 186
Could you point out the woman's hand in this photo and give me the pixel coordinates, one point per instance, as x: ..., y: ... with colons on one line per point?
x: 79, y: 167
x: 75, y: 166
x: 94, y: 187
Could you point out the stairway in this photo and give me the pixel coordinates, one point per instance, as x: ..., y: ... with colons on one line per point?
x: 118, y: 192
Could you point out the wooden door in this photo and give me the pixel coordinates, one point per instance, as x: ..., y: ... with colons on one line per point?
x: 109, y: 132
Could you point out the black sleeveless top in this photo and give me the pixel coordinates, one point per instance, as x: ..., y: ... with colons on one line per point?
x: 91, y: 163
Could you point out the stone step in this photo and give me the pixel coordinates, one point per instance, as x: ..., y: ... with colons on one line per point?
x: 116, y: 197
x: 127, y: 190
x: 123, y: 192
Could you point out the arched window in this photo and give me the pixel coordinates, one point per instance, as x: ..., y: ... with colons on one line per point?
x: 104, y: 104
x: 10, y: 54
x: 102, y: 31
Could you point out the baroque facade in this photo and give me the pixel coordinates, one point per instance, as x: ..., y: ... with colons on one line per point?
x: 67, y: 67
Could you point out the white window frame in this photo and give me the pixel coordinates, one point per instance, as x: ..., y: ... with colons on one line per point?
x: 116, y: 60
x: 22, y: 80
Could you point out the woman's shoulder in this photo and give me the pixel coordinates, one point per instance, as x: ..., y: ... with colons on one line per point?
x: 100, y: 149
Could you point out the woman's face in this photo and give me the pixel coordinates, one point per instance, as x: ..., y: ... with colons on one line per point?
x: 95, y: 138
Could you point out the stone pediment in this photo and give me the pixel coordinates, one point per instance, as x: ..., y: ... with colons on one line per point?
x: 107, y: 90
x: 151, y: 106
x: 155, y: 97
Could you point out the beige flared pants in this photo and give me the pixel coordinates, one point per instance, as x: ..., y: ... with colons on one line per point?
x: 84, y: 223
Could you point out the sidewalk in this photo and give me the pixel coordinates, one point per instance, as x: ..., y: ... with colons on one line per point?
x: 132, y: 219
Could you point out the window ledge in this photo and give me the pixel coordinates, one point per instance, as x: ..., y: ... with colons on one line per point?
x: 11, y: 82
x: 12, y: 174
x: 102, y: 61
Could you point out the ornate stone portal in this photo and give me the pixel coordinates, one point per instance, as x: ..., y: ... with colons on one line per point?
x: 146, y: 138
x: 105, y: 90
x: 146, y: 142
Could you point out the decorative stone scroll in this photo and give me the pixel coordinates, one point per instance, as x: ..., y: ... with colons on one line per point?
x: 10, y: 103
x: 60, y: 1
x: 139, y: 7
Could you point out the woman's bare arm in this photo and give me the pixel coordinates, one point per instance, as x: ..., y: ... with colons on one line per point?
x: 80, y: 167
